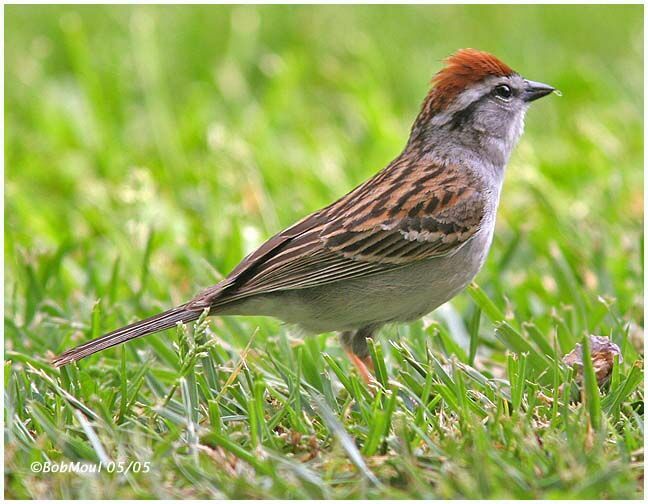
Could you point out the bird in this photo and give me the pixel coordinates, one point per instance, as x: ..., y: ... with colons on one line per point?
x: 396, y: 247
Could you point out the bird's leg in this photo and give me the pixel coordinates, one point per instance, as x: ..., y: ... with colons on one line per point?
x: 364, y: 366
x: 356, y: 347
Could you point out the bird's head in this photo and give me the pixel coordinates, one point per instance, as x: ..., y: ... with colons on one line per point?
x: 477, y: 98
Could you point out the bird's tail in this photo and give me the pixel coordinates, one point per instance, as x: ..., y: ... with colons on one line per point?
x: 159, y: 322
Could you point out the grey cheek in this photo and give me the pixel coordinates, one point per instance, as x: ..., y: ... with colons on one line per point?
x: 495, y: 123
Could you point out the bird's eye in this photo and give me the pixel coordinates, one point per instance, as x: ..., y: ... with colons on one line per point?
x: 503, y: 92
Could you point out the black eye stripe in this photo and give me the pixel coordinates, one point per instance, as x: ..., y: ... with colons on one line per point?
x: 461, y: 117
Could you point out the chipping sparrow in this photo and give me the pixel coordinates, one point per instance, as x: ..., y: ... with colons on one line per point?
x: 397, y: 246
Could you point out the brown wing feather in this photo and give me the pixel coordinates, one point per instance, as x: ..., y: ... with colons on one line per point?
x: 404, y: 214
x: 431, y: 215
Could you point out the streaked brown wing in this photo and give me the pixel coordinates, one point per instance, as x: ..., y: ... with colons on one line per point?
x: 432, y: 215
x: 374, y: 228
x: 285, y: 263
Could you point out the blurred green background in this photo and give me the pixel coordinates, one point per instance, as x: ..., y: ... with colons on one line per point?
x: 148, y: 149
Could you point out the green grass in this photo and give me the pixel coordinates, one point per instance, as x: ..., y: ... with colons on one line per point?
x: 148, y: 149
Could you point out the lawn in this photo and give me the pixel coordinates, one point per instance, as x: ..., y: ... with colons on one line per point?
x: 148, y: 149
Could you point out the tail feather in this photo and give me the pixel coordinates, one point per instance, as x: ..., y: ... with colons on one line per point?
x: 156, y: 323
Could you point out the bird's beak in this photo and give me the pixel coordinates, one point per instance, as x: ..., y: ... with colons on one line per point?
x: 534, y: 90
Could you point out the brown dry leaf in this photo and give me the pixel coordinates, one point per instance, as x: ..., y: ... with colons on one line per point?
x: 603, y: 352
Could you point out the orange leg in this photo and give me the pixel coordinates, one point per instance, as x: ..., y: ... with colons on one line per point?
x: 364, y: 366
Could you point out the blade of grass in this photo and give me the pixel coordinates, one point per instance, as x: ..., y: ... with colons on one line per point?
x: 590, y: 386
